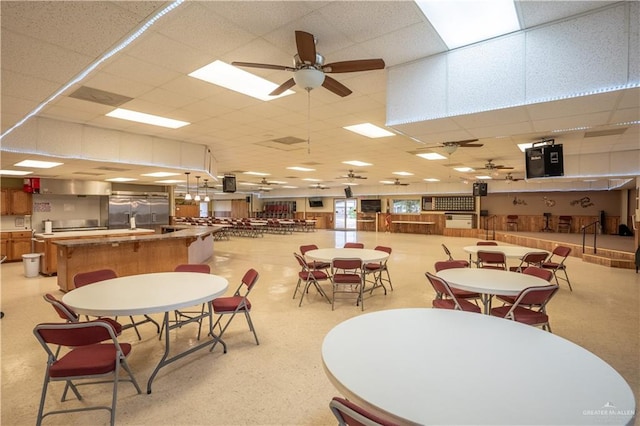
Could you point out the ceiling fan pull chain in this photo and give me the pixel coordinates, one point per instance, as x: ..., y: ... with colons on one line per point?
x: 308, y: 121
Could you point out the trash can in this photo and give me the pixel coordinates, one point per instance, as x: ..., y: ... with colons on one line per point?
x: 31, y: 263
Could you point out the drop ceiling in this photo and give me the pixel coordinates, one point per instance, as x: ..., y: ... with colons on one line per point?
x: 46, y: 44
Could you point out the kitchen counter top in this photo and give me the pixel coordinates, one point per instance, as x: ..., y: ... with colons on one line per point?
x: 100, y: 232
x: 193, y: 232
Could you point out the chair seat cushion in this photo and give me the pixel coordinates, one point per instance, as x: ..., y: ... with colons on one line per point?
x: 316, y: 264
x: 507, y: 299
x: 373, y: 266
x: 465, y: 294
x: 552, y: 265
x: 117, y: 327
x: 316, y: 274
x: 228, y: 304
x: 523, y: 315
x: 450, y: 304
x: 346, y: 279
x: 88, y: 360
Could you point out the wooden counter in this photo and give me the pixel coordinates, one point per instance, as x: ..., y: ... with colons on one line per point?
x: 134, y: 254
x: 44, y: 243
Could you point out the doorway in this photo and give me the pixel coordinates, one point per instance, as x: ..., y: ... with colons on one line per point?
x: 345, y: 214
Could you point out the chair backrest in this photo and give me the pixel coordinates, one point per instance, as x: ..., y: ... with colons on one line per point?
x: 193, y: 267
x: 63, y: 311
x: 441, y: 287
x: 384, y: 249
x: 303, y: 263
x: 486, y: 243
x: 562, y: 251
x: 353, y: 245
x: 347, y: 265
x: 447, y: 252
x: 250, y: 278
x: 449, y: 264
x: 308, y: 247
x: 74, y: 334
x: 534, y: 257
x: 512, y: 217
x: 491, y: 257
x: 538, y: 296
x: 545, y: 274
x: 84, y: 278
x: 349, y: 414
x: 565, y: 219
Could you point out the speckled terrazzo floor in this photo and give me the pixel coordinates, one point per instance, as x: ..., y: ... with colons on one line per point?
x: 281, y: 381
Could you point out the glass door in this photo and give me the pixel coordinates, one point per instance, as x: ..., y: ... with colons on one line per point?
x: 345, y: 214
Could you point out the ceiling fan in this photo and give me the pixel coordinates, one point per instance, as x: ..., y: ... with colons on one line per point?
x: 490, y: 165
x: 310, y: 70
x: 397, y: 183
x: 319, y: 186
x: 451, y: 146
x: 351, y: 175
x: 264, y: 181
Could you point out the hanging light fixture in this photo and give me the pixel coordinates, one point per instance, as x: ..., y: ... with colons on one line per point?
x: 187, y: 196
x: 206, y: 192
x: 197, y: 197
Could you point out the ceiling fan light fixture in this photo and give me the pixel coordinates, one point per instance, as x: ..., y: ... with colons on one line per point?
x: 450, y: 149
x: 309, y: 78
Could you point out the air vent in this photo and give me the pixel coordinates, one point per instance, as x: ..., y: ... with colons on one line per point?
x: 288, y: 140
x: 99, y: 96
x: 600, y: 133
x: 287, y: 143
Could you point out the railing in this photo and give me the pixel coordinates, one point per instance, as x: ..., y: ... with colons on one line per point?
x: 486, y: 227
x: 595, y: 234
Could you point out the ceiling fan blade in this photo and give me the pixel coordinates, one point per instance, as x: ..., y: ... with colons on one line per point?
x: 306, y: 45
x: 504, y: 168
x: 353, y: 66
x: 265, y: 66
x: 335, y: 86
x: 471, y: 145
x: 283, y: 87
x: 463, y: 142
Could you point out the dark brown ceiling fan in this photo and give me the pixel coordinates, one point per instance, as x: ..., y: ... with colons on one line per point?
x: 397, y: 182
x: 490, y: 165
x: 351, y: 175
x: 451, y: 146
x: 310, y: 70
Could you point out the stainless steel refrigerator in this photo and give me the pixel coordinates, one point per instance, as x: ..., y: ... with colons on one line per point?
x: 149, y: 211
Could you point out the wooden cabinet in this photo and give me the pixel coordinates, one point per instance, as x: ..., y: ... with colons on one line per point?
x: 15, y: 244
x: 15, y: 202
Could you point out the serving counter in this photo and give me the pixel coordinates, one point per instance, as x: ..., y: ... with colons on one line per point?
x: 132, y: 255
x: 44, y: 243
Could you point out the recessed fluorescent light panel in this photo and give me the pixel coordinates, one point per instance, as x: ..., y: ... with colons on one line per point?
x: 233, y: 78
x: 160, y: 174
x: 312, y: 180
x: 14, y: 173
x: 432, y: 156
x: 38, y: 164
x: 483, y: 177
x: 403, y: 173
x: 301, y: 169
x: 460, y: 23
x: 357, y: 163
x: 141, y: 117
x: 369, y: 130
x: 463, y: 169
x: 169, y: 181
x: 431, y: 180
x: 256, y: 173
x: 523, y: 146
x: 121, y: 179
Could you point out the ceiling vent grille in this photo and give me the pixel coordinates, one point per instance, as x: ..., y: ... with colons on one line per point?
x: 99, y: 96
x: 600, y: 133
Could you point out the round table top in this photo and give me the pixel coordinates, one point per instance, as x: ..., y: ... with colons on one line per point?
x: 437, y: 366
x: 509, y: 251
x: 145, y: 293
x: 490, y: 281
x: 328, y: 254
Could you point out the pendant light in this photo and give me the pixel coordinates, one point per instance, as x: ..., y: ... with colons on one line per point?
x: 197, y: 197
x: 187, y: 196
x: 206, y: 192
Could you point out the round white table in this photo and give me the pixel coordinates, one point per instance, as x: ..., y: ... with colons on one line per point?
x: 436, y: 366
x: 489, y: 282
x: 511, y: 252
x: 328, y: 254
x: 143, y: 294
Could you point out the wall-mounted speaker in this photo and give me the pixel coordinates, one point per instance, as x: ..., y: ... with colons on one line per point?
x: 480, y: 189
x: 347, y: 192
x: 229, y: 184
x: 544, y: 161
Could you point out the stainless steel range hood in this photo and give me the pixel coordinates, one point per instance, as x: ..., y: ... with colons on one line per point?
x: 74, y: 187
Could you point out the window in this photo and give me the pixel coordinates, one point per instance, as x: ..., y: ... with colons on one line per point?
x: 406, y: 206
